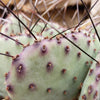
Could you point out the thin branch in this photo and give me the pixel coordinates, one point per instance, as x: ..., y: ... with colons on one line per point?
x: 6, y: 55
x: 11, y: 39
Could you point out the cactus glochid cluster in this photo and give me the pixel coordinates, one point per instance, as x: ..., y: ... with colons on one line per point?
x: 41, y: 59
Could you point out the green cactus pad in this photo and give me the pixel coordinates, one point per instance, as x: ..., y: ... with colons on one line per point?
x: 91, y: 85
x: 48, y: 31
x: 51, y: 69
x: 13, y: 26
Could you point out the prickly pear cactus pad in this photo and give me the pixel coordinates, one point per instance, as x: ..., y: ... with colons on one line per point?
x: 47, y: 31
x: 51, y: 69
x: 91, y: 86
x: 13, y: 26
